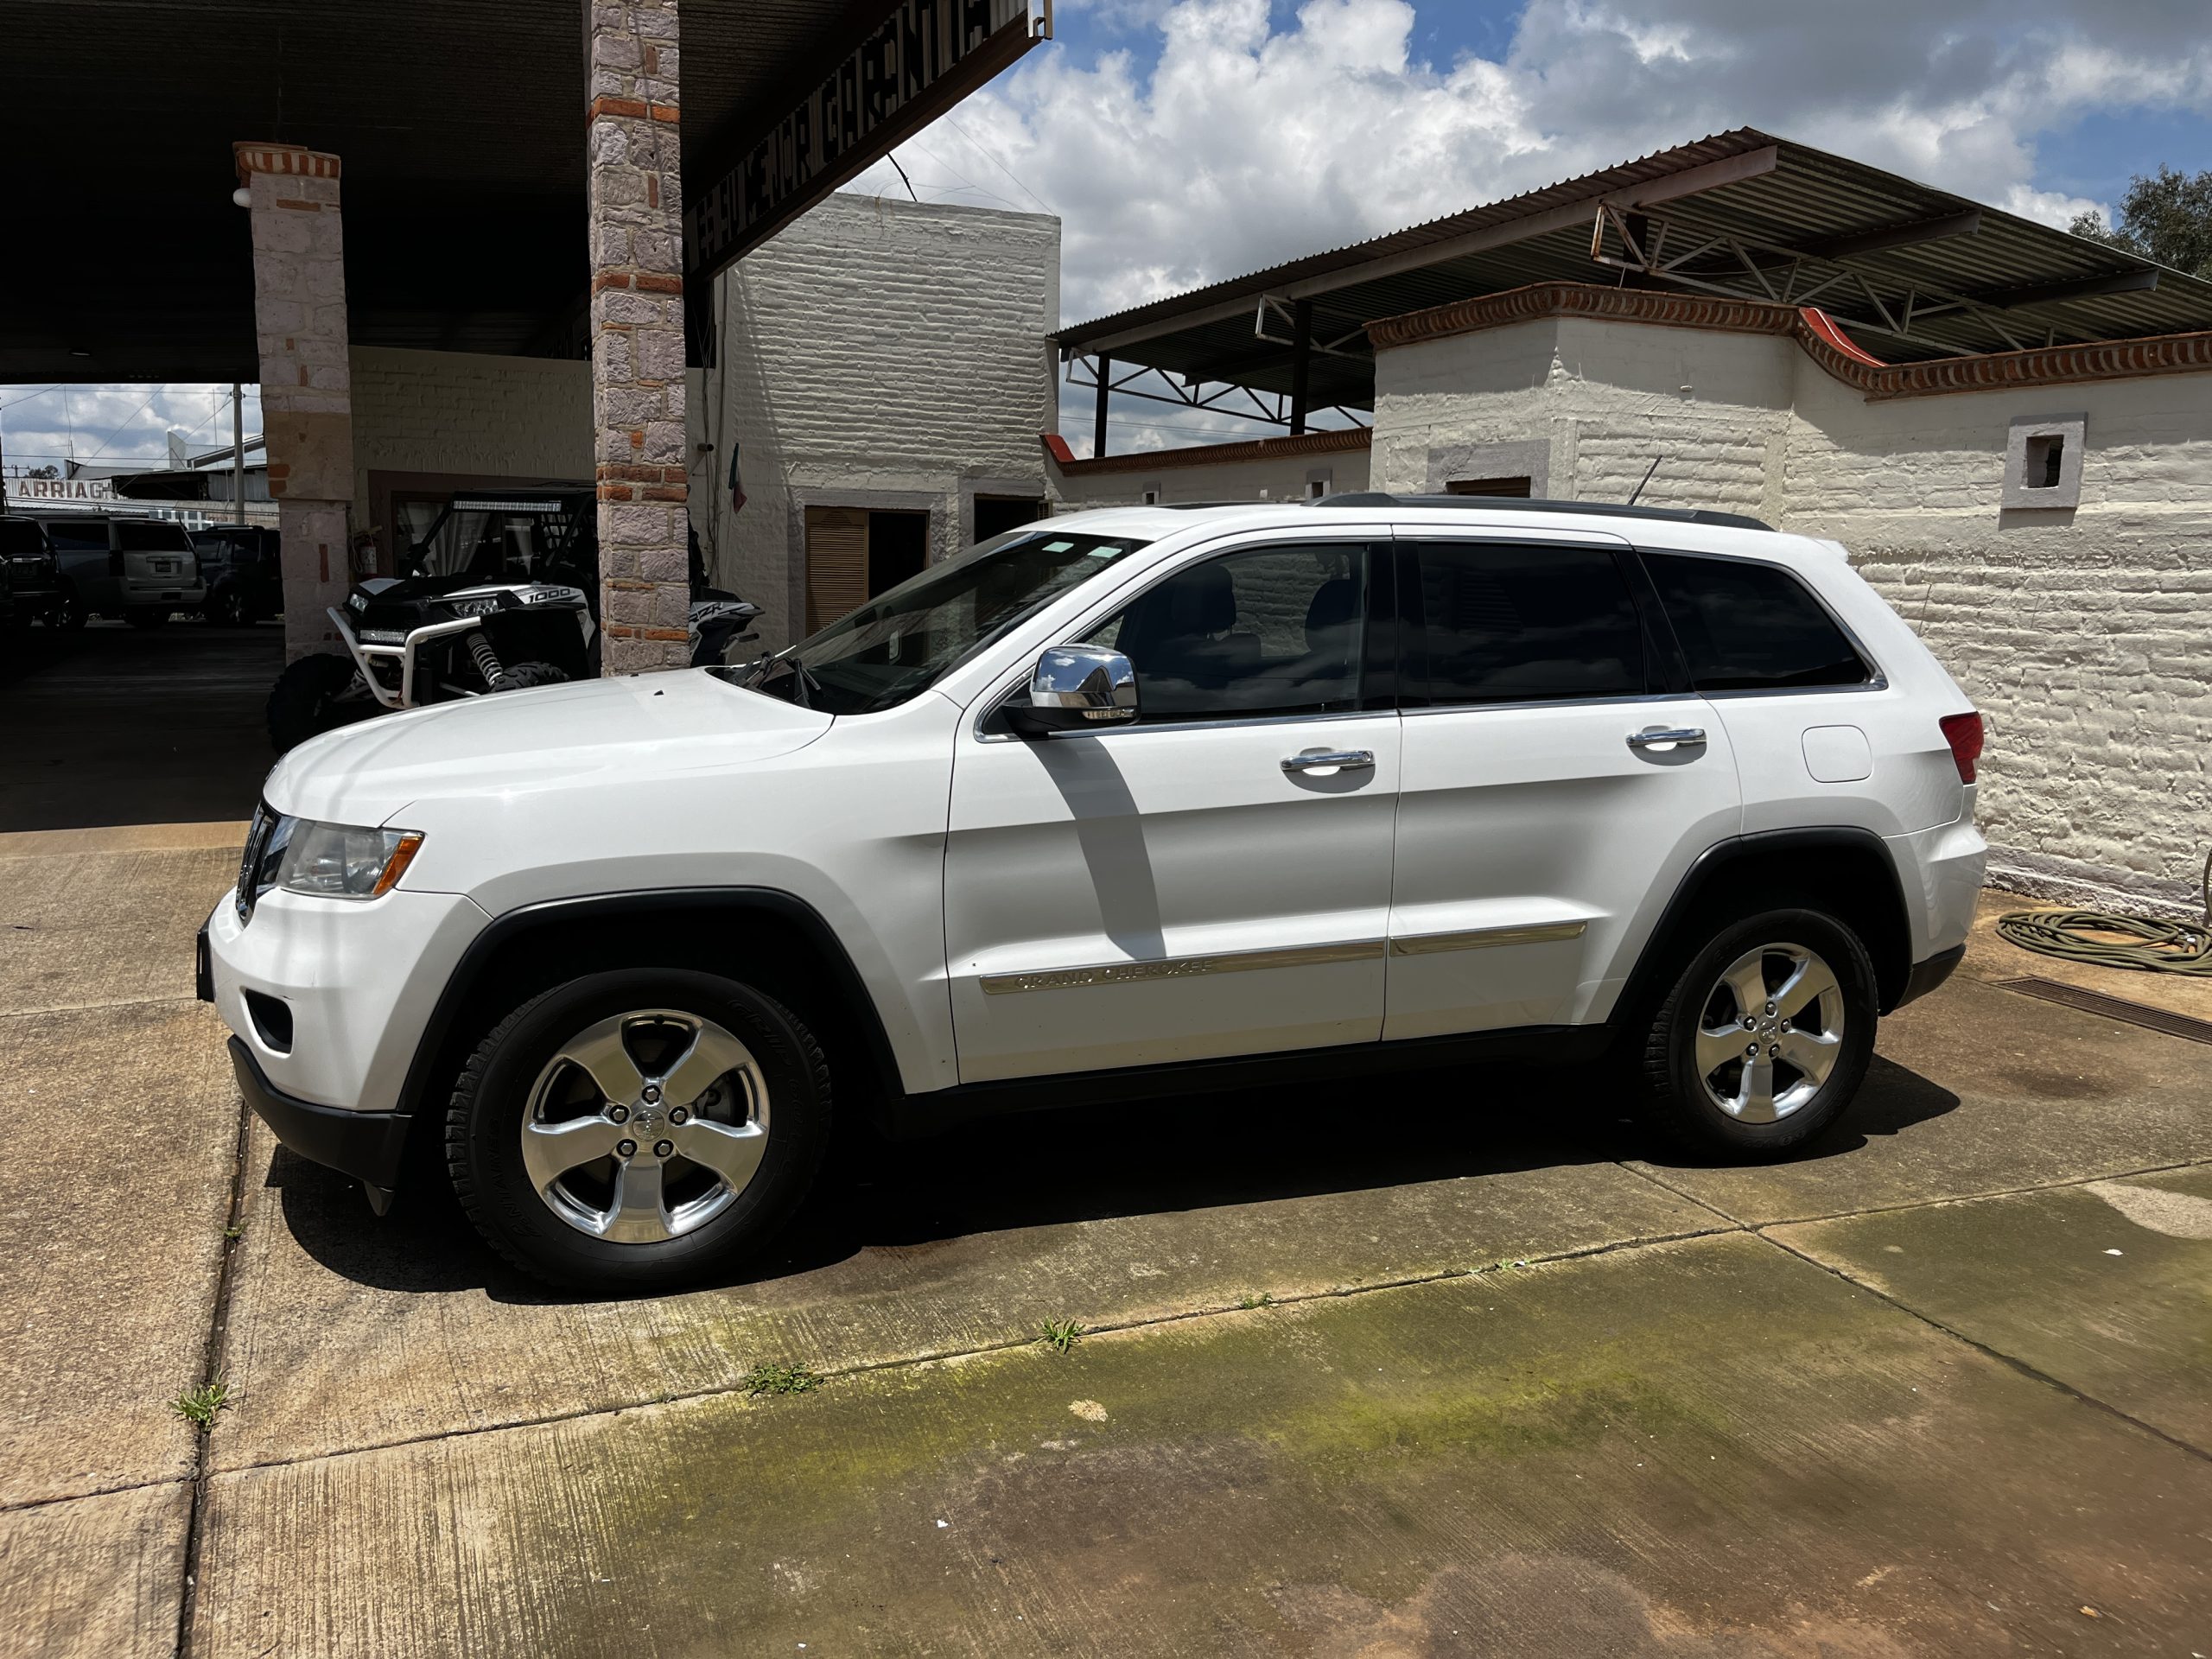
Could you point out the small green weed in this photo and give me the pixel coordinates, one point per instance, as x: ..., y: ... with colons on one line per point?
x: 233, y: 1232
x: 1059, y: 1335
x: 1265, y: 1299
x: 781, y: 1379
x: 200, y: 1405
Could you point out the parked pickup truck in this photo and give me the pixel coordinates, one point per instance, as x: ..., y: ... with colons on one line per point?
x: 144, y: 570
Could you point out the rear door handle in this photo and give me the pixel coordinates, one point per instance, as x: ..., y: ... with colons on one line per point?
x: 1658, y: 737
x: 1327, y: 760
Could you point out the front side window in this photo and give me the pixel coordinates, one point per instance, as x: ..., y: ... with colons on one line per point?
x: 902, y: 642
x: 89, y: 536
x: 1500, y: 623
x: 1267, y: 631
x: 1751, y: 627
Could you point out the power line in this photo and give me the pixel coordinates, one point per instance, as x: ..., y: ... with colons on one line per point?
x: 995, y: 162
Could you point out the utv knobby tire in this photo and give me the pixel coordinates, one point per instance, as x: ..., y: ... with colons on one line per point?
x: 484, y: 1131
x: 304, y: 702
x: 1675, y: 1098
x: 522, y: 675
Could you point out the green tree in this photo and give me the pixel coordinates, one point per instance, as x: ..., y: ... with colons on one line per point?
x: 2167, y: 217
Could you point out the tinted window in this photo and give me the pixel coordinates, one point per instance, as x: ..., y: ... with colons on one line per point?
x: 1269, y: 631
x: 19, y: 536
x: 89, y: 536
x: 1501, y: 624
x: 151, y: 536
x: 1747, y: 628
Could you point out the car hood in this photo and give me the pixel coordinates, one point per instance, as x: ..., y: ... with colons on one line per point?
x: 629, y: 730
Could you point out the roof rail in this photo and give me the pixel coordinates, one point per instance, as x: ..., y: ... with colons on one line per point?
x: 1516, y: 504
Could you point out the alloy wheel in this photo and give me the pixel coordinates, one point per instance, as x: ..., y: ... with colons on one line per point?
x: 1770, y: 1032
x: 646, y: 1126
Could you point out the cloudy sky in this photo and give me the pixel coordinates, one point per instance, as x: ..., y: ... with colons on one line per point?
x: 1182, y: 141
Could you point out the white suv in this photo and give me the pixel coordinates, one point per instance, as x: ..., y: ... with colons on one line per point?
x: 1119, y: 804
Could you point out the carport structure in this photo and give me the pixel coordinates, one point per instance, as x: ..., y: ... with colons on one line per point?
x: 544, y: 178
x: 1917, y: 273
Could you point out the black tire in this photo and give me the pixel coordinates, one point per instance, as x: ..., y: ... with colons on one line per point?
x: 145, y: 616
x: 68, y: 610
x: 304, y: 702
x: 485, y: 1121
x: 522, y: 675
x: 1677, y: 1092
x: 226, y: 608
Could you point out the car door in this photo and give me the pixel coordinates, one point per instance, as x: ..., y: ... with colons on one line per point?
x: 1545, y: 814
x: 1214, y: 879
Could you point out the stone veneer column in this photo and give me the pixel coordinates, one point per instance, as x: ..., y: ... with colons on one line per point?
x: 307, y: 395
x: 637, y: 328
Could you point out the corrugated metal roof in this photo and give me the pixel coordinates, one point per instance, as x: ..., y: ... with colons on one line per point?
x: 1808, y: 196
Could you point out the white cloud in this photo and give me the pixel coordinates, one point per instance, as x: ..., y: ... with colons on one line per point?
x: 1246, y: 144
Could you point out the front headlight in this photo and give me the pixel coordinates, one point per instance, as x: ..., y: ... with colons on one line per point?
x: 332, y: 860
x: 336, y: 861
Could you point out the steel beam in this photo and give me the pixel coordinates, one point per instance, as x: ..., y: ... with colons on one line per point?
x: 1105, y: 373
x: 2080, y: 288
x: 1903, y: 235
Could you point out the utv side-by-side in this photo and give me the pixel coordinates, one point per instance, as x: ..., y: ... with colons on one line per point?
x: 499, y: 592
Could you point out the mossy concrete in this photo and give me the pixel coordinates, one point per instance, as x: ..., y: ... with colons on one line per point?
x: 1708, y: 1446
x: 2106, y: 1286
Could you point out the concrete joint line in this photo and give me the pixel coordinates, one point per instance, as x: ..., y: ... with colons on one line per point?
x: 18, y: 1506
x: 1983, y: 1348
x: 217, y: 1325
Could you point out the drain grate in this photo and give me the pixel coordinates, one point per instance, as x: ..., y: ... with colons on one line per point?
x: 2111, y: 1008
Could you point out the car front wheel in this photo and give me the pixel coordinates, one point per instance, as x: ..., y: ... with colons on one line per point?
x: 638, y: 1129
x: 1765, y: 1036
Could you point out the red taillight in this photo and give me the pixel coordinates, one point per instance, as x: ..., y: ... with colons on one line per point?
x: 1963, y: 734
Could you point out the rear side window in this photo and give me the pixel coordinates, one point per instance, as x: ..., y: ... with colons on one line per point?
x: 1751, y: 627
x: 19, y: 536
x: 151, y: 536
x: 1506, y: 624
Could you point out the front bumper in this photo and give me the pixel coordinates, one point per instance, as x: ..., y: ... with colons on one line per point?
x: 357, y: 983
x: 364, y: 1145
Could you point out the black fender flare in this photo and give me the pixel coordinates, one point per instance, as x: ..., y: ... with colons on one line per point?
x: 553, y: 914
x: 1892, y: 955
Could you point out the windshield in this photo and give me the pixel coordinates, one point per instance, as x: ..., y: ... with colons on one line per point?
x: 903, y: 641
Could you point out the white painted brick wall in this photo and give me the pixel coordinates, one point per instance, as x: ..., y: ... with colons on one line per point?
x: 875, y: 353
x: 2084, y: 637
x: 1276, y: 478
x: 465, y: 413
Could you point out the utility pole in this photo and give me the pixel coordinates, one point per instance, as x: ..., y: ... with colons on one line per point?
x: 238, y: 452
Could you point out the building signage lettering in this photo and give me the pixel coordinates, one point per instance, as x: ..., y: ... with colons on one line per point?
x: 59, y: 489
x: 868, y: 103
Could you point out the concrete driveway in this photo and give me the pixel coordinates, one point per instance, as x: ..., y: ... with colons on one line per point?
x: 1441, y: 1365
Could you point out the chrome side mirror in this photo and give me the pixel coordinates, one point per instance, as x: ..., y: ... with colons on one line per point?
x: 1077, y: 689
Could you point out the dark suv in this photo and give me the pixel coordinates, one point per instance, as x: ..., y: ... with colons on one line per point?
x: 29, y: 587
x: 244, y: 573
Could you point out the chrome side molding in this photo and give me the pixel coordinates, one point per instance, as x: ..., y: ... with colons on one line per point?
x: 1130, y: 973
x: 1481, y: 939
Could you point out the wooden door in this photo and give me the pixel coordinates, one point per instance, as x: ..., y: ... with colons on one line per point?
x: 836, y: 563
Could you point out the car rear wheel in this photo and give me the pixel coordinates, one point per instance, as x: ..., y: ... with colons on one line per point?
x: 226, y: 608
x: 638, y: 1129
x: 68, y: 610
x: 1765, y: 1036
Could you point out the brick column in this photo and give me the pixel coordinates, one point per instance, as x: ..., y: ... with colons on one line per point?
x: 307, y: 395
x: 637, y: 328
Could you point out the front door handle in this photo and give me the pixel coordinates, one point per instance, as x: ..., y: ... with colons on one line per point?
x: 1330, y: 760
x: 1657, y: 737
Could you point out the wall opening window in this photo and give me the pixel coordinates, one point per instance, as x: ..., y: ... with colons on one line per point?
x: 2044, y: 460
x: 1315, y: 488
x: 1516, y: 486
x: 996, y: 514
